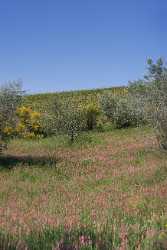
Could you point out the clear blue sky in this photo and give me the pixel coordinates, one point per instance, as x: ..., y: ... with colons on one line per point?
x: 76, y: 44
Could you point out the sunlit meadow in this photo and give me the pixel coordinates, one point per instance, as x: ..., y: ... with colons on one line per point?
x: 115, y: 177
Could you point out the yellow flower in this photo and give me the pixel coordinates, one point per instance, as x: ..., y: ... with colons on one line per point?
x: 162, y: 235
x: 29, y: 121
x: 35, y: 115
x: 8, y: 130
x: 20, y: 127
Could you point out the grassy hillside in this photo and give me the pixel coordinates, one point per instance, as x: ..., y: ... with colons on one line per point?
x: 104, y: 191
x: 43, y: 101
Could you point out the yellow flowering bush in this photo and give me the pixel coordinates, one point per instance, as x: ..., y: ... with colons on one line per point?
x: 20, y: 128
x: 8, y: 131
x: 28, y: 124
x: 91, y: 113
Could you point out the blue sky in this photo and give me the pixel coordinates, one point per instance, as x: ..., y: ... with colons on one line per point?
x: 77, y: 44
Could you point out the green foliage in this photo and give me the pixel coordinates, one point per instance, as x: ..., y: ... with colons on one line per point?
x: 155, y: 70
x: 49, y: 124
x: 123, y: 114
x: 10, y: 99
x: 91, y: 113
x: 158, y: 111
x: 122, y: 111
x: 73, y: 123
x: 68, y: 119
x: 137, y: 88
x: 108, y: 104
x: 44, y: 102
x: 151, y: 94
x: 70, y: 112
x: 154, y: 98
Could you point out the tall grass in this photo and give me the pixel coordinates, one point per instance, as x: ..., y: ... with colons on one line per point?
x: 128, y: 233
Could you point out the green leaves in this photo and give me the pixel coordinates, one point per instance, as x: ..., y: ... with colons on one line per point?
x: 10, y: 99
x: 123, y: 111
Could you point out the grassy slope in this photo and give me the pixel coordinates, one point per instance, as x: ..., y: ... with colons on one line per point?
x: 43, y: 101
x: 52, y: 182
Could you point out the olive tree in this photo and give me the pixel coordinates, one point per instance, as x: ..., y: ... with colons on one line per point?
x: 122, y: 111
x: 64, y: 118
x: 72, y: 120
x: 152, y: 98
x: 157, y: 101
x: 10, y: 99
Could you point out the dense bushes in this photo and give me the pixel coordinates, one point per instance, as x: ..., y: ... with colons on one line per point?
x: 48, y: 125
x: 158, y: 109
x: 108, y: 104
x: 143, y: 101
x: 151, y: 94
x: 44, y: 102
x: 63, y: 118
x: 91, y: 113
x: 71, y: 120
x: 15, y: 119
x: 157, y: 79
x: 122, y: 111
x: 28, y: 124
x: 10, y: 99
x: 68, y: 118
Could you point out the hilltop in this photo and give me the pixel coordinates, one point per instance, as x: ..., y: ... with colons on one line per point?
x: 39, y: 101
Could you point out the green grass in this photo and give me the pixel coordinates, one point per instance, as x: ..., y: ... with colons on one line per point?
x: 135, y: 234
x: 85, y: 139
x: 111, y: 179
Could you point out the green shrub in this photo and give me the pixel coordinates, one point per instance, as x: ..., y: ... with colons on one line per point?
x: 108, y: 104
x: 122, y: 111
x: 10, y: 99
x: 49, y: 124
x: 91, y: 113
x: 157, y: 100
x: 73, y: 123
x: 151, y: 93
x: 69, y: 119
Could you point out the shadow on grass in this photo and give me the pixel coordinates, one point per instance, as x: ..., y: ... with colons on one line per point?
x: 10, y: 161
